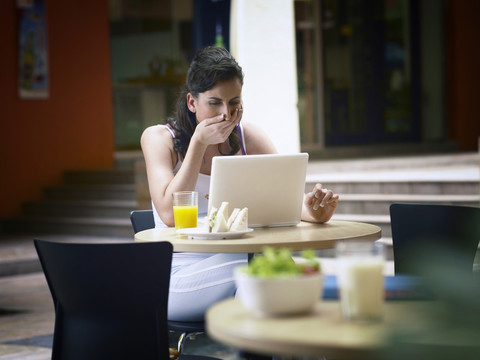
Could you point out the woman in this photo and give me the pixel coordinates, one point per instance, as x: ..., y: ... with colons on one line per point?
x: 178, y: 156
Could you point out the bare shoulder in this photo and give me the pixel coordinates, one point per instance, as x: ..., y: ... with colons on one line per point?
x: 157, y: 144
x: 157, y: 134
x: 256, y: 139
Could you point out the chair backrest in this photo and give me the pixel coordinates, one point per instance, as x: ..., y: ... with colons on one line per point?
x: 110, y: 299
x: 427, y: 234
x: 142, y: 220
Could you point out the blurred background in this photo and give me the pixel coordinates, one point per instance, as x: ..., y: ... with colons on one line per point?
x: 373, y: 78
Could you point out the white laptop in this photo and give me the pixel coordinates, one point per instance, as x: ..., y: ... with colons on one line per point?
x: 271, y: 186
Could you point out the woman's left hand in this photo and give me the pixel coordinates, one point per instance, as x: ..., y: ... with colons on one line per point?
x: 319, y: 204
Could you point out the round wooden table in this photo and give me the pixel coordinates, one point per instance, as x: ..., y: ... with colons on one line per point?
x: 321, y: 333
x: 303, y: 236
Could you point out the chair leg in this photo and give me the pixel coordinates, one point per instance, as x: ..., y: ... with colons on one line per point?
x: 181, y: 342
x: 184, y: 336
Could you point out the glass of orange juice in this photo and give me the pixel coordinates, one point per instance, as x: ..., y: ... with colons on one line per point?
x: 185, y: 209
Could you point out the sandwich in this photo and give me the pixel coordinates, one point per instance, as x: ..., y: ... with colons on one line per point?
x: 240, y: 223
x: 219, y: 221
x: 232, y: 217
x: 210, y: 219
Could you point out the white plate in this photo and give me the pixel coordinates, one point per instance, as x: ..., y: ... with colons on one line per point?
x: 199, y: 233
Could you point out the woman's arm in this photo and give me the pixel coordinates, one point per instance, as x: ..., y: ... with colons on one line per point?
x: 160, y: 160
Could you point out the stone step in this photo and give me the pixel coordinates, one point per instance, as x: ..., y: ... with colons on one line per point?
x: 435, y: 174
x: 18, y: 254
x: 126, y: 159
x: 388, y: 163
x: 80, y: 208
x: 110, y: 227
x: 100, y: 176
x: 380, y: 203
x: 118, y: 192
x: 356, y: 186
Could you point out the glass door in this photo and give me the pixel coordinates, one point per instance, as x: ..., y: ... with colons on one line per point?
x: 370, y: 71
x: 358, y: 71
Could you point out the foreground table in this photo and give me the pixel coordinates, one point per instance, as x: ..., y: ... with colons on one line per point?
x: 322, y: 333
x: 303, y: 236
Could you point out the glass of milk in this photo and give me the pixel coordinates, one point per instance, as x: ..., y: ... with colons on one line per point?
x: 360, y: 267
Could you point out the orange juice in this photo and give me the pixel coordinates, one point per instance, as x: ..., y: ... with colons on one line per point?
x: 185, y: 216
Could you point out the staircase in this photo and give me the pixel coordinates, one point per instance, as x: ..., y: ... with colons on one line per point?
x: 367, y: 187
x: 96, y: 202
x: 99, y: 202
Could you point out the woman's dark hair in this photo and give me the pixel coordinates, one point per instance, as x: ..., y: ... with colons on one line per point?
x: 209, y: 66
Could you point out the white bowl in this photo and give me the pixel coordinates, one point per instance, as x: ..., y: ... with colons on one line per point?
x: 279, y: 296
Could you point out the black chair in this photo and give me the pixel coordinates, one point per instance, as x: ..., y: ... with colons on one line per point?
x: 110, y: 299
x: 427, y: 236
x: 143, y: 220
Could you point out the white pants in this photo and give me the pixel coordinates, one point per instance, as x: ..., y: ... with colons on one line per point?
x: 195, y: 287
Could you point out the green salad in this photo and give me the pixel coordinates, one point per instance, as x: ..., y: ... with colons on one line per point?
x: 280, y: 263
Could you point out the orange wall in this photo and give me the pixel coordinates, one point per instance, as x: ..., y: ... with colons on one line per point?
x: 463, y: 74
x: 73, y: 129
